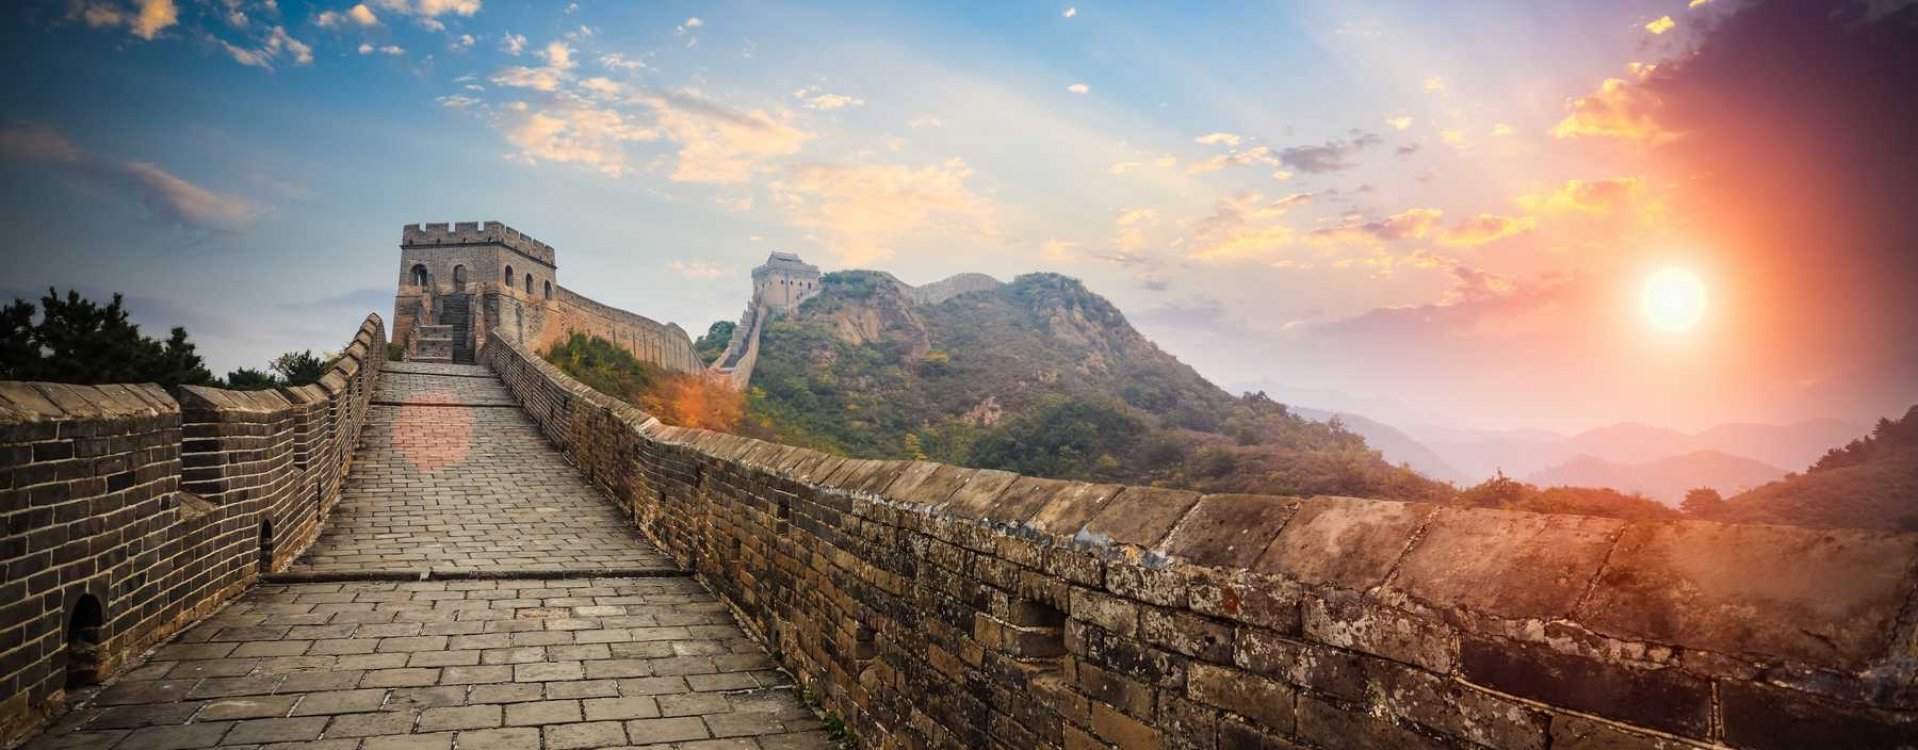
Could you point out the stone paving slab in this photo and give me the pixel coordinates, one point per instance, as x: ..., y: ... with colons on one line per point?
x: 580, y: 663
x: 416, y: 388
x: 436, y: 368
x: 462, y: 491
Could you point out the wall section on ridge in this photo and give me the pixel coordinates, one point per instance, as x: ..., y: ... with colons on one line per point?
x: 935, y: 606
x: 130, y: 513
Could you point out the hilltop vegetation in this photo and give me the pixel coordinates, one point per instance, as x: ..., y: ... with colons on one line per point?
x: 686, y: 400
x: 1870, y: 483
x: 1042, y: 377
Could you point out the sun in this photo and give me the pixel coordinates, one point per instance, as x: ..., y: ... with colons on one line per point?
x: 1673, y: 300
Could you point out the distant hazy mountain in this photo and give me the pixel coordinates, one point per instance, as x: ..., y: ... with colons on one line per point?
x: 1480, y: 453
x: 1664, y: 479
x: 1396, y: 446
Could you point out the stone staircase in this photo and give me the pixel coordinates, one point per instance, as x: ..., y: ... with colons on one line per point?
x: 447, y: 342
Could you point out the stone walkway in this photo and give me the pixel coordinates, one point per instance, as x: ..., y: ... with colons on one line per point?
x: 467, y: 486
x: 576, y: 652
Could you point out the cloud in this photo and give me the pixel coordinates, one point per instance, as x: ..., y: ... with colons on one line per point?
x: 1661, y: 25
x: 165, y: 195
x: 1331, y: 156
x: 574, y: 131
x: 1434, y: 85
x: 1255, y: 156
x: 1479, y: 305
x: 187, y: 203
x: 559, y: 56
x: 427, y: 13
x: 925, y: 122
x: 1587, y: 196
x: 1070, y: 12
x: 1079, y: 88
x: 813, y: 98
x: 277, y: 43
x: 513, y: 44
x: 695, y: 269
x: 358, y: 15
x: 143, y: 18
x: 367, y: 48
x: 1215, y: 139
x: 1412, y: 224
x: 718, y: 144
x: 1618, y: 109
x: 862, y: 209
x: 1401, y: 122
x: 1485, y: 228
x: 1240, y: 226
x: 39, y: 143
x: 1502, y: 129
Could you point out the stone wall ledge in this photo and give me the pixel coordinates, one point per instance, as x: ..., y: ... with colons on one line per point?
x: 1518, y: 626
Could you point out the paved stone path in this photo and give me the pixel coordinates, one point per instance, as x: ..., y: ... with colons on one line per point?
x: 578, y: 655
x: 467, y: 485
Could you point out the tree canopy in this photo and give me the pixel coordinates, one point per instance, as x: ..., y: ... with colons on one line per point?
x: 76, y: 340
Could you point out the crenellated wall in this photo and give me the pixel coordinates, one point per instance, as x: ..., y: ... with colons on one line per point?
x: 482, y: 279
x: 934, y: 606
x: 129, y: 513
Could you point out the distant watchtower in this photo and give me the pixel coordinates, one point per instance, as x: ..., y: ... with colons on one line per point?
x: 779, y: 286
x: 460, y: 281
x: 784, y: 281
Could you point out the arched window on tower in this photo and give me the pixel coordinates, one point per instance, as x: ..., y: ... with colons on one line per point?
x: 419, y: 277
x: 549, y: 290
x: 529, y: 283
x: 459, y: 278
x: 507, y: 278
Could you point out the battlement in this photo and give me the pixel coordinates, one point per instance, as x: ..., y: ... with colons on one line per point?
x: 787, y: 263
x: 476, y: 233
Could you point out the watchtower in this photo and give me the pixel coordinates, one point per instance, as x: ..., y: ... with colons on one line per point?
x: 784, y: 281
x: 460, y: 281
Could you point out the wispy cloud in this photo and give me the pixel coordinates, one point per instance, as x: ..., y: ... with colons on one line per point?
x: 165, y: 195
x: 142, y: 18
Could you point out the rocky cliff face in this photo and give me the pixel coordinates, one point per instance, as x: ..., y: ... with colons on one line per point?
x: 1036, y: 369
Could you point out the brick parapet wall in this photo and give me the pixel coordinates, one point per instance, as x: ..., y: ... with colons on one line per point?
x: 935, y: 606
x: 151, y: 506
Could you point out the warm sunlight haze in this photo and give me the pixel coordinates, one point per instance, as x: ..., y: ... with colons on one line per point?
x: 1674, y: 299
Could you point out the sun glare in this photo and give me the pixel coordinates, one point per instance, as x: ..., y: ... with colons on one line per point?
x: 1674, y: 299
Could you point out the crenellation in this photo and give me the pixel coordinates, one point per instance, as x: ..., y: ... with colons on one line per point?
x: 150, y: 510
x: 476, y: 233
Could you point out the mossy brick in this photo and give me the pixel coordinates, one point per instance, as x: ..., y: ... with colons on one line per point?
x: 1266, y: 702
x: 1353, y: 622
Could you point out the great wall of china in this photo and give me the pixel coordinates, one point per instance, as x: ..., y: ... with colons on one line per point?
x: 492, y: 555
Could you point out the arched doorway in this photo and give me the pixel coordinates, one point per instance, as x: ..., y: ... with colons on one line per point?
x: 266, y: 547
x: 83, y: 642
x: 459, y: 278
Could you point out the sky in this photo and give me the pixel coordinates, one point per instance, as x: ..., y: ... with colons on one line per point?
x: 1426, y: 213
